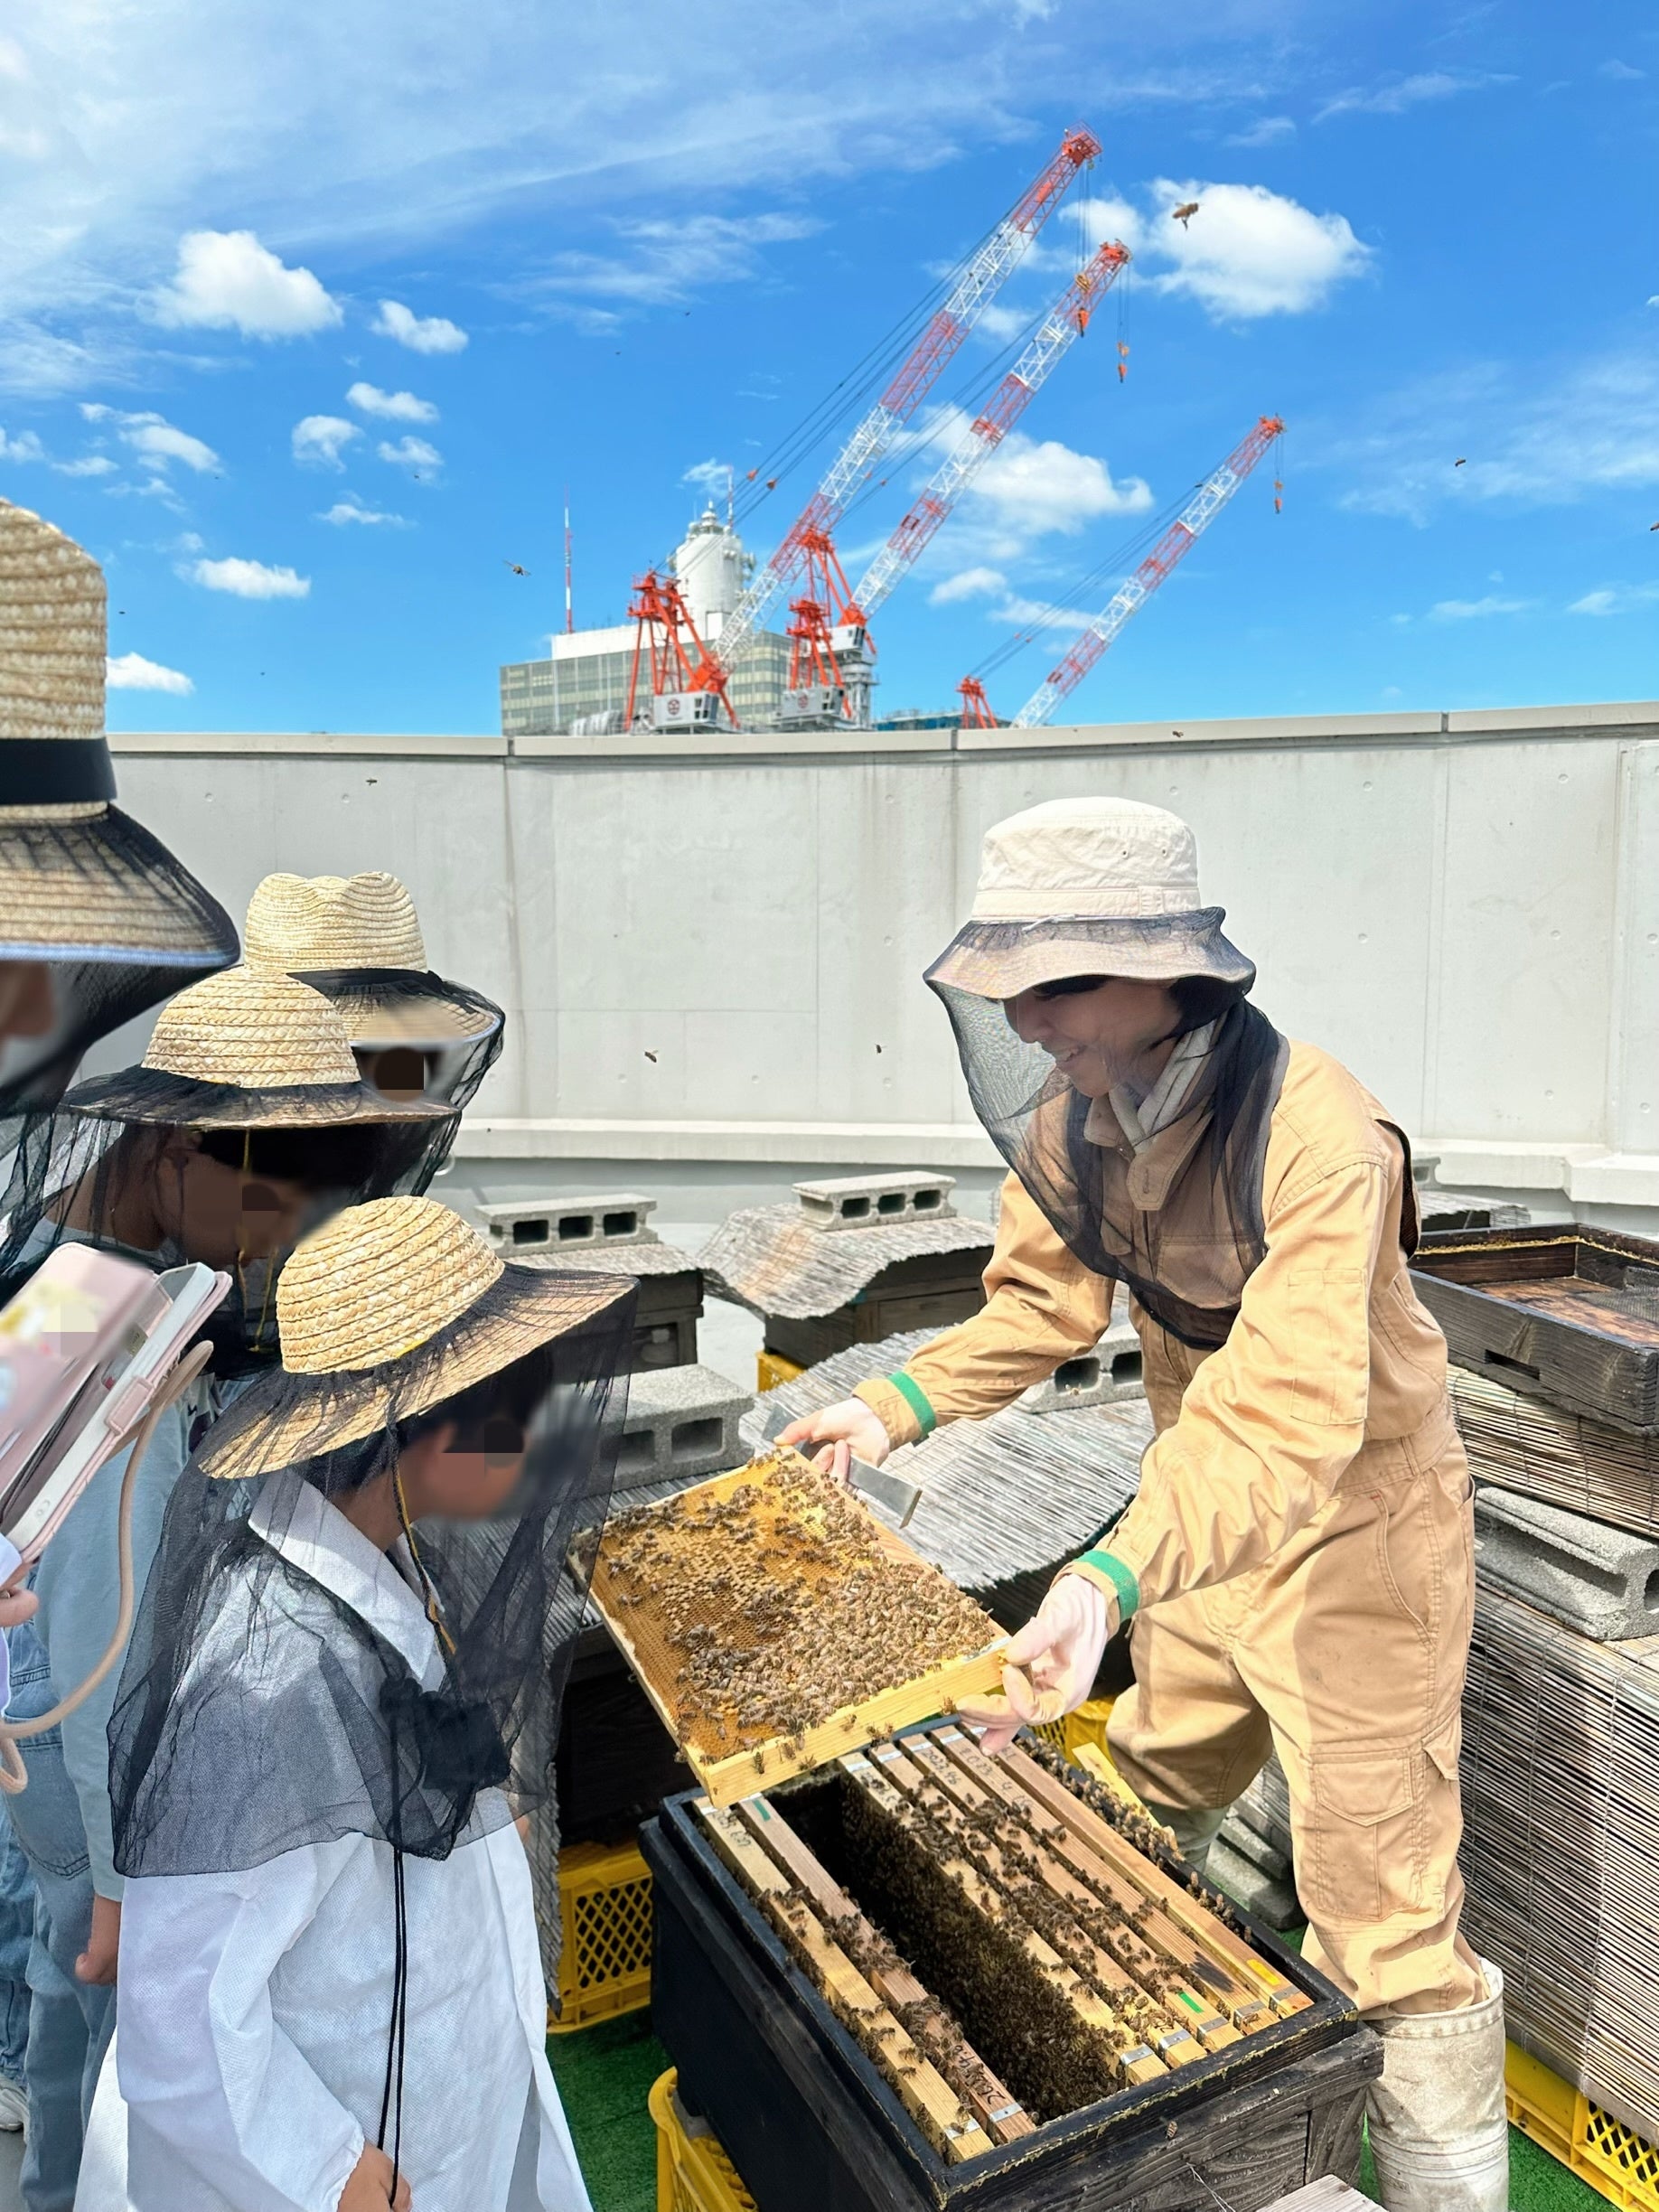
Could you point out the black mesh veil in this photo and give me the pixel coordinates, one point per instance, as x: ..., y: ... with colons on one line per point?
x: 450, y: 1035
x: 283, y: 1688
x: 117, y: 923
x: 114, y: 1166
x: 1180, y: 1224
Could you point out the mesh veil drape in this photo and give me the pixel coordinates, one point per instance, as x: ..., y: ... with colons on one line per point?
x: 1185, y: 1259
x: 77, y: 1171
x: 259, y: 1710
x: 456, y: 1028
x: 164, y: 931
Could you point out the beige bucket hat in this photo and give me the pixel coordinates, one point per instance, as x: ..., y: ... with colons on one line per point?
x: 245, y: 1050
x: 379, y: 1285
x: 1088, y: 886
x: 79, y: 881
x: 358, y: 938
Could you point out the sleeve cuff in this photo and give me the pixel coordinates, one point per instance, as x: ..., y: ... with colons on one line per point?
x: 1110, y: 1574
x: 896, y: 1408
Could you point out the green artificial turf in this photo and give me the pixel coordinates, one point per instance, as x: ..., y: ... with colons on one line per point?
x: 604, y: 2073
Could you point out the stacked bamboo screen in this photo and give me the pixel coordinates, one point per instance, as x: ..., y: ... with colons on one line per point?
x: 1565, y: 1459
x: 1051, y: 1961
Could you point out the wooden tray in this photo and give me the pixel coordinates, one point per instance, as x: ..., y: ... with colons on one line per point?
x: 733, y: 1761
x: 1549, y: 1312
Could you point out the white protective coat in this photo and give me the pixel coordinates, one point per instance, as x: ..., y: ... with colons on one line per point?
x: 255, y: 2005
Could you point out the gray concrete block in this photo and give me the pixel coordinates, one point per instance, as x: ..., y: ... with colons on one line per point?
x: 877, y: 1201
x: 1262, y: 1852
x: 1106, y: 1375
x: 534, y: 1225
x: 1273, y: 1903
x: 1602, y: 1581
x: 681, y: 1424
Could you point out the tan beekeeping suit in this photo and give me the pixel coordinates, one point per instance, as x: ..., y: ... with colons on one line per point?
x: 1302, y: 1539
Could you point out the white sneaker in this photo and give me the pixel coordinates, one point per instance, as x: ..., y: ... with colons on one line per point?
x: 14, y: 2106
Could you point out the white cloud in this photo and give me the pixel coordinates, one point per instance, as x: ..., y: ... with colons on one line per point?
x: 410, y: 453
x: 227, y: 280
x: 390, y: 406
x: 25, y: 447
x: 420, y: 333
x: 1404, y: 92
x: 89, y: 465
x: 1247, y: 252
x: 1038, y: 613
x: 1031, y: 487
x: 316, y: 440
x: 709, y: 476
x: 1476, y: 610
x: 666, y: 262
x: 350, y: 510
x: 978, y: 583
x: 130, y: 671
x: 1616, y: 599
x: 1529, y: 438
x: 1267, y: 130
x: 249, y: 579
x: 158, y: 443
x: 1620, y: 72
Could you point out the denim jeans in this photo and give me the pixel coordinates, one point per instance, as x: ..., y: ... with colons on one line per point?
x: 70, y: 2022
x: 16, y: 1931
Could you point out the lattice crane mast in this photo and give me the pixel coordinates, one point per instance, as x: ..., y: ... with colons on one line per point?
x: 1066, y: 321
x: 979, y: 279
x: 672, y: 657
x: 1132, y: 594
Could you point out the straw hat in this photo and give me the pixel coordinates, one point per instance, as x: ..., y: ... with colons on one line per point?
x: 79, y: 881
x: 245, y: 1050
x: 335, y: 927
x: 363, y: 1294
x: 1088, y: 886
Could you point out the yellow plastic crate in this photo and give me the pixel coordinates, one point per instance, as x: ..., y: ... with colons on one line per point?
x: 693, y: 2173
x: 1604, y: 2155
x: 604, y: 1957
x: 770, y: 1368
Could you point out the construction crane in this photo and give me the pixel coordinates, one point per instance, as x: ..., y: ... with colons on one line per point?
x: 977, y: 283
x: 1066, y: 321
x: 1177, y: 541
x: 672, y: 658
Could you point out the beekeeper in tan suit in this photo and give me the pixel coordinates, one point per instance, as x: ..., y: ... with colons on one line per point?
x: 1297, y: 1561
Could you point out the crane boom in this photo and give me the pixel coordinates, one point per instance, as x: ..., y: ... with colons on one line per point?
x: 1133, y: 593
x: 1067, y: 320
x: 977, y: 283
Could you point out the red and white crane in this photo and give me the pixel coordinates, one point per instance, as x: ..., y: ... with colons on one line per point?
x: 1067, y: 320
x: 1133, y: 593
x: 977, y: 283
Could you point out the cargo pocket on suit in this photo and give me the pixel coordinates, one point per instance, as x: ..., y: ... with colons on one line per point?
x: 1332, y: 1383
x: 1363, y: 1859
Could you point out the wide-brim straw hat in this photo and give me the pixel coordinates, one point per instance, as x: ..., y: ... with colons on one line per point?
x: 78, y: 879
x: 245, y: 1050
x: 386, y: 1312
x: 359, y: 938
x: 1088, y: 886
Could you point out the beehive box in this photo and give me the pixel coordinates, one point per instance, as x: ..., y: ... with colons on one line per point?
x: 774, y: 1622
x: 880, y: 2001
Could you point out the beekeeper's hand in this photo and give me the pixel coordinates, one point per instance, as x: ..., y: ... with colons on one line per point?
x: 1049, y: 1667
x: 847, y: 1430
x: 368, y: 2185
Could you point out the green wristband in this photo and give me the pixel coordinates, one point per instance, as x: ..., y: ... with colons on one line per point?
x: 1120, y: 1578
x: 915, y: 1397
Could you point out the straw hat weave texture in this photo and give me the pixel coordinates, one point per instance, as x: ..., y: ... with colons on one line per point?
x: 256, y: 1032
x: 407, y: 1268
x: 374, y: 1287
x: 52, y: 632
x: 302, y: 923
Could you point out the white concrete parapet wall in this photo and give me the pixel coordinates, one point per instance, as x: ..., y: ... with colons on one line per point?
x: 711, y: 960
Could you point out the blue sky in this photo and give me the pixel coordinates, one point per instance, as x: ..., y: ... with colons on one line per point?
x: 620, y: 244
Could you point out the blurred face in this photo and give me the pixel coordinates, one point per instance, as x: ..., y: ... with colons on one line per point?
x: 28, y: 1008
x: 221, y: 1214
x: 445, y: 1481
x: 1101, y: 1030
x: 399, y: 1071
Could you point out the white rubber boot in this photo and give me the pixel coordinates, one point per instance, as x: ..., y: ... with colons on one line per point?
x: 1437, y: 2129
x: 1193, y: 1832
